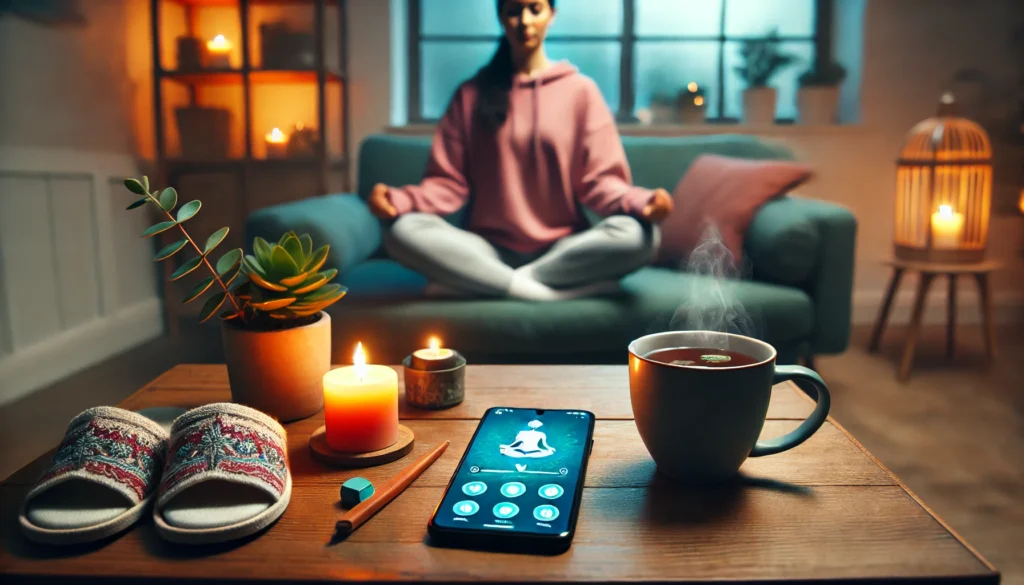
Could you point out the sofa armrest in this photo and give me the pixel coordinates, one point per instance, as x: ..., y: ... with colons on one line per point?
x: 341, y: 220
x: 810, y: 244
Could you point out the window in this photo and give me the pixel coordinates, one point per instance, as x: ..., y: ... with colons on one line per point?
x: 634, y: 49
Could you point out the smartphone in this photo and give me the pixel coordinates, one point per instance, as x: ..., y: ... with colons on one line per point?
x: 519, y: 483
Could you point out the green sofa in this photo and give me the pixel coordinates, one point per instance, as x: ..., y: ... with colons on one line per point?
x: 798, y: 293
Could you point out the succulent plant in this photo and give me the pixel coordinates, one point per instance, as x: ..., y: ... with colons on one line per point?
x: 285, y: 280
x: 284, y: 283
x: 762, y: 59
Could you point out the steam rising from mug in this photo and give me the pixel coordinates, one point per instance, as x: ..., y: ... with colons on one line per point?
x: 711, y: 304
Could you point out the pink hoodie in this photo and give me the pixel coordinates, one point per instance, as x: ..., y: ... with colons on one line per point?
x: 559, y: 148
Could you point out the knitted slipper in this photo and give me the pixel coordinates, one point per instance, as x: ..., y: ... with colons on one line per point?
x: 102, y: 477
x: 226, y: 476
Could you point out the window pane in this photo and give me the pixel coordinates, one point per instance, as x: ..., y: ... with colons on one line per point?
x: 598, y: 60
x: 444, y: 66
x: 666, y: 68
x: 679, y: 17
x: 784, y: 80
x: 459, y: 17
x: 758, y: 17
x: 586, y: 17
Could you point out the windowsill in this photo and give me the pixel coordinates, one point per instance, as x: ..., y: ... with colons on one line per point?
x: 667, y: 130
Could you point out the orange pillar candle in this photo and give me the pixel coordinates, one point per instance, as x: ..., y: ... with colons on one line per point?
x: 361, y: 406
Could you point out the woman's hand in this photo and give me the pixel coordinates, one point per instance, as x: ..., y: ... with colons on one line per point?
x: 379, y: 203
x: 659, y: 207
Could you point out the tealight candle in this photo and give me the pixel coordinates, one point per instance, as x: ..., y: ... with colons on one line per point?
x: 277, y: 144
x: 361, y: 406
x: 434, y: 357
x: 947, y: 228
x: 218, y: 53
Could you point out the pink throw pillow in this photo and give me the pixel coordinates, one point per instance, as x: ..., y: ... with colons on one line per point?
x: 725, y: 192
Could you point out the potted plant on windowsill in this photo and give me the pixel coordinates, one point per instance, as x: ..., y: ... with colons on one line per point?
x: 277, y: 337
x: 818, y: 97
x: 762, y: 59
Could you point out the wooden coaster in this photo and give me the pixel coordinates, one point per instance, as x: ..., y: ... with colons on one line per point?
x: 323, y: 453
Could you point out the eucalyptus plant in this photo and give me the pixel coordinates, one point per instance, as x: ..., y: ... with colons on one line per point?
x: 762, y: 59
x: 278, y: 287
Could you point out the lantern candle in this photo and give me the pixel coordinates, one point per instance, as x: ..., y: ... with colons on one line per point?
x: 361, y: 406
x: 947, y: 228
x: 434, y: 357
x: 277, y: 144
x: 218, y: 50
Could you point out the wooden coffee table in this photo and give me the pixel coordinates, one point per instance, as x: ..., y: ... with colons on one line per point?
x: 826, y: 510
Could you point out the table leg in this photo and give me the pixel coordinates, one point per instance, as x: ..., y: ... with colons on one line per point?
x: 915, y: 325
x: 883, y: 313
x: 985, y: 295
x: 951, y: 318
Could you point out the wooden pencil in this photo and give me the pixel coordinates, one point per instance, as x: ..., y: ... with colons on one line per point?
x: 355, y: 517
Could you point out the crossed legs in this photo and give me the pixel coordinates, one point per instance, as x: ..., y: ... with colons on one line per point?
x: 582, y: 264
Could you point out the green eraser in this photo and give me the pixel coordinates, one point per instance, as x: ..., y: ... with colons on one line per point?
x: 355, y: 490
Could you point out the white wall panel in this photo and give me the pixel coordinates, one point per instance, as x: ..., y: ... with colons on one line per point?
x: 75, y: 242
x: 26, y: 243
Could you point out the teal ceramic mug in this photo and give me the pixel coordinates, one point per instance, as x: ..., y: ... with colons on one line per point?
x: 700, y: 423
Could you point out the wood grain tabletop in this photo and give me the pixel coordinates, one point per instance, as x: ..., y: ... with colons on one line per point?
x: 824, y: 511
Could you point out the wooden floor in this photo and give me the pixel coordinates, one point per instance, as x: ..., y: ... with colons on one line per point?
x: 954, y: 433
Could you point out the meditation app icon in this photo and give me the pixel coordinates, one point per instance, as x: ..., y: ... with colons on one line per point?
x: 529, y: 443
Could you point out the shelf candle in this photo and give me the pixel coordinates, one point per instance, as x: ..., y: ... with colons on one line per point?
x: 361, y: 406
x: 218, y: 52
x: 434, y: 357
x: 947, y: 228
x: 277, y: 144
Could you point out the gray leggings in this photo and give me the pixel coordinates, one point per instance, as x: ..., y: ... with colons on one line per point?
x: 465, y: 261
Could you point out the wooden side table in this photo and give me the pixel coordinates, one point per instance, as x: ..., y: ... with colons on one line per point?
x: 928, y: 272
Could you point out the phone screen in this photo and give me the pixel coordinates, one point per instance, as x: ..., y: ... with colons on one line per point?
x: 520, y: 474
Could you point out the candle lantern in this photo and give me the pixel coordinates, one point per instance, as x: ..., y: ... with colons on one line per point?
x: 944, y: 190
x: 435, y: 377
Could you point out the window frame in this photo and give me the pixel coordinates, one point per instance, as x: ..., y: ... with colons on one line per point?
x: 821, y: 39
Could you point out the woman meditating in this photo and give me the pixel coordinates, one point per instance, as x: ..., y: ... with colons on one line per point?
x: 524, y: 143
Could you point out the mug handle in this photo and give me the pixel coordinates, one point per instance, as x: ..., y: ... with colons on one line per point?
x: 806, y: 428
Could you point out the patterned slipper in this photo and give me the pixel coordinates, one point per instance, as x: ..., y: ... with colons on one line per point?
x: 101, y: 479
x: 226, y: 476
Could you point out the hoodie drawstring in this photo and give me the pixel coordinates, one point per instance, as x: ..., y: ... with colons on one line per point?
x: 536, y: 122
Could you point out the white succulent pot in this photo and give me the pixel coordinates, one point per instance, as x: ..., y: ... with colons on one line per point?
x: 279, y: 372
x: 817, y: 105
x: 759, y: 105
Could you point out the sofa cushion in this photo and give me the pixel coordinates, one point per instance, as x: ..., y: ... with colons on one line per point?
x: 380, y: 279
x: 393, y: 328
x: 782, y: 243
x: 723, y: 194
x: 658, y: 161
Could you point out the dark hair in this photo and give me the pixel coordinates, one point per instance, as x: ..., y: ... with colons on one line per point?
x: 494, y: 82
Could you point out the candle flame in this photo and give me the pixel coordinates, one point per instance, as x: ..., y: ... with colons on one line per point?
x: 276, y: 136
x: 219, y: 43
x: 359, y: 361
x: 434, y: 344
x: 946, y: 211
x: 692, y: 86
